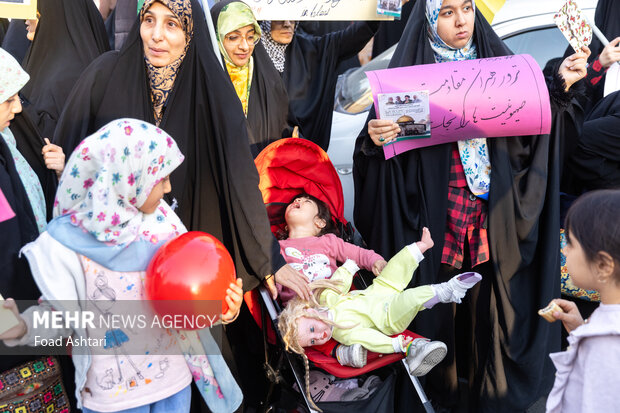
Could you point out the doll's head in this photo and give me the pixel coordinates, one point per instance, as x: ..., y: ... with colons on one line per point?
x: 305, y: 323
x: 593, y: 240
x: 308, y: 211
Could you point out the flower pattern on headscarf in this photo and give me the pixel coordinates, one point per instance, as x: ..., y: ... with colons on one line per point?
x: 232, y: 17
x: 161, y: 79
x: 111, y: 174
x: 12, y: 76
x: 474, y: 153
x: 275, y: 50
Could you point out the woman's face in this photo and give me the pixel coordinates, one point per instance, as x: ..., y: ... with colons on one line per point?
x: 282, y: 31
x: 239, y: 44
x: 162, y: 35
x: 455, y: 24
x: 8, y: 109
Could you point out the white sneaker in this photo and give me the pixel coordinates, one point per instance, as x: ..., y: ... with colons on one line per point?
x: 352, y: 356
x: 424, y: 355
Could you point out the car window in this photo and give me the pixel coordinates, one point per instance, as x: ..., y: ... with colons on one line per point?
x: 543, y: 44
x: 353, y: 93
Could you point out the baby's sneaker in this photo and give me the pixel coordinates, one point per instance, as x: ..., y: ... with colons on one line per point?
x: 423, y: 355
x: 352, y: 356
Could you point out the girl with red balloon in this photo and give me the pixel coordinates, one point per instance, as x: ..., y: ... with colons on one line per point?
x: 109, y: 223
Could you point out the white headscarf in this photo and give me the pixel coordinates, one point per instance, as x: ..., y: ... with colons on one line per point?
x: 12, y: 76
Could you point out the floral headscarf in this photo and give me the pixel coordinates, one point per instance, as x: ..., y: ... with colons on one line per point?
x: 161, y: 79
x: 474, y: 153
x: 111, y: 174
x: 12, y: 76
x: 443, y: 52
x: 275, y: 50
x: 232, y: 17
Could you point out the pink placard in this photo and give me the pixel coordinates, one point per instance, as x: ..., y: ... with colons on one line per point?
x: 6, y: 212
x: 482, y: 98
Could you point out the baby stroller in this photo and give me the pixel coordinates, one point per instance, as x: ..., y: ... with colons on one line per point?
x: 286, y: 168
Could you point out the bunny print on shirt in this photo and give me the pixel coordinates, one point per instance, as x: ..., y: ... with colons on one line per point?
x: 313, y: 266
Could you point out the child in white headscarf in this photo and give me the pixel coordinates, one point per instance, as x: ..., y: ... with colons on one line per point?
x: 110, y: 219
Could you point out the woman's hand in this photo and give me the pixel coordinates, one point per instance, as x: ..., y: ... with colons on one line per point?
x: 378, y: 266
x: 20, y: 329
x: 610, y: 54
x: 574, y: 67
x: 571, y: 317
x: 54, y: 157
x: 287, y: 276
x: 234, y: 298
x: 382, y: 131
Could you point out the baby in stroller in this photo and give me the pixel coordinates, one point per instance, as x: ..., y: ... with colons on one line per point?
x: 361, y: 320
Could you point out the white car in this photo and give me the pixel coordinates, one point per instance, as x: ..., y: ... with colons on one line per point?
x: 526, y: 26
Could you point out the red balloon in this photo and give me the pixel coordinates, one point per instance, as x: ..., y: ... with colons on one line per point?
x: 192, y: 269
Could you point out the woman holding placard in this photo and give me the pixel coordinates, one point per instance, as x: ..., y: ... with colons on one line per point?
x: 499, y: 211
x: 257, y: 83
x: 308, y: 67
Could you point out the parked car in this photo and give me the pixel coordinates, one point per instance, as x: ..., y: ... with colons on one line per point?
x: 526, y: 26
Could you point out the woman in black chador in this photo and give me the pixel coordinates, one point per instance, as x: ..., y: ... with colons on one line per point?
x: 502, y: 221
x: 70, y: 34
x: 178, y: 84
x: 308, y: 67
x: 256, y: 81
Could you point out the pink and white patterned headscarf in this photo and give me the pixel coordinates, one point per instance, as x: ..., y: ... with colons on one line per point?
x: 111, y: 174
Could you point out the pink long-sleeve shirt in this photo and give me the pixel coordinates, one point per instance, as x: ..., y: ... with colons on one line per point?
x: 318, y: 257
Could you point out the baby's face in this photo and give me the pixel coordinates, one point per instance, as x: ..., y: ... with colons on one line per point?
x: 300, y: 211
x: 312, y: 332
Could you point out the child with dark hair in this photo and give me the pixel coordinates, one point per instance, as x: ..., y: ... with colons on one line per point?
x: 587, y: 372
x: 313, y: 249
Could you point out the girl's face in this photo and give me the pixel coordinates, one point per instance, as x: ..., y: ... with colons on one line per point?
x: 303, y: 211
x: 162, y: 35
x: 455, y: 24
x: 156, y: 195
x: 580, y: 269
x: 312, y: 332
x: 8, y: 109
x: 239, y: 44
x: 282, y: 31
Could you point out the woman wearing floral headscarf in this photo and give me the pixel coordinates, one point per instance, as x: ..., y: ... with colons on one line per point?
x: 495, y: 201
x: 110, y: 219
x: 257, y: 83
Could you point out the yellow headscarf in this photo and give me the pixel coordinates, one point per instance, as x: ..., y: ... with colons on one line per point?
x: 232, y: 17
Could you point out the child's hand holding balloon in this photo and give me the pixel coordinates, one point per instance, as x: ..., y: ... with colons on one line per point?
x: 234, y: 298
